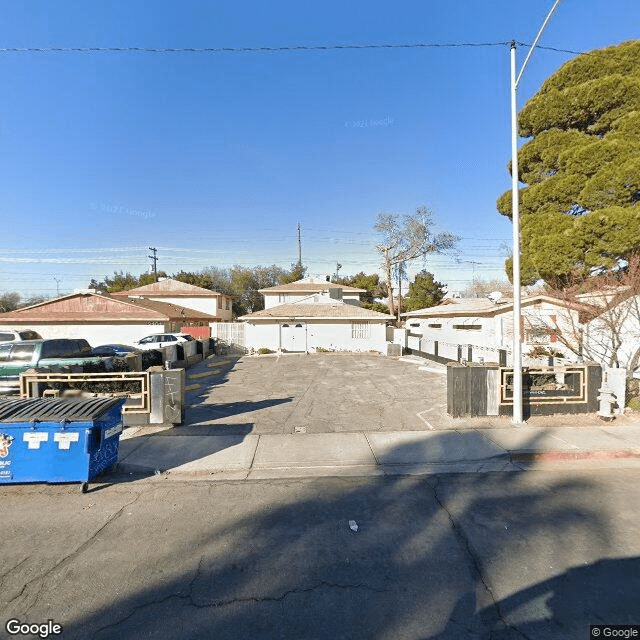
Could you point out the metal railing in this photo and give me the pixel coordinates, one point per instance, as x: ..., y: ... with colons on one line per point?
x: 140, y: 401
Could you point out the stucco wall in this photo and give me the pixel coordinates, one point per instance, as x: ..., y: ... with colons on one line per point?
x: 259, y: 335
x: 490, y: 333
x: 495, y: 332
x: 97, y: 334
x: 212, y: 305
x: 598, y: 336
x: 334, y: 336
x: 274, y: 299
x: 338, y: 337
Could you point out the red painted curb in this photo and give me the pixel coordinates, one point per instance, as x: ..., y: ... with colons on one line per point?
x: 558, y: 456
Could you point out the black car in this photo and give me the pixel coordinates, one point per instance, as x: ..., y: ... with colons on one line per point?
x: 114, y: 350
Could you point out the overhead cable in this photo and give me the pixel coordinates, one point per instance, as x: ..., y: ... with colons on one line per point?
x: 280, y: 49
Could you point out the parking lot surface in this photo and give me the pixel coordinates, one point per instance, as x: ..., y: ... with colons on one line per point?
x: 313, y: 393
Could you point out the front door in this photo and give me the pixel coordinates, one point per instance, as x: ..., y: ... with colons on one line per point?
x: 293, y: 336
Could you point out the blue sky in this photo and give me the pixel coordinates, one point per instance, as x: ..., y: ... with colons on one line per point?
x: 214, y: 158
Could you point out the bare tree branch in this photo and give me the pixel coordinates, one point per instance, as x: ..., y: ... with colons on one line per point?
x: 406, y: 238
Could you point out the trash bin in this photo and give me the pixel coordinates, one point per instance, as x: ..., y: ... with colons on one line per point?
x: 58, y: 440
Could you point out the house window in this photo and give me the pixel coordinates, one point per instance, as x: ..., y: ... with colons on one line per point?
x: 538, y: 337
x: 414, y: 324
x: 360, y: 330
x: 227, y: 304
x: 282, y: 297
x: 435, y: 326
x: 468, y: 327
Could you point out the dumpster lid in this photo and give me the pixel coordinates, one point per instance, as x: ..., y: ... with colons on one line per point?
x: 55, y: 409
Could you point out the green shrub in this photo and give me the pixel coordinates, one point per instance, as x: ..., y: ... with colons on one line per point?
x: 263, y: 351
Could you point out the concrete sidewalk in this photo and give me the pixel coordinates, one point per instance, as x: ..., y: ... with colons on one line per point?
x: 344, y: 415
x: 254, y: 457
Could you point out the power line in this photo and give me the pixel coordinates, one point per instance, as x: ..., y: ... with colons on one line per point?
x: 302, y: 47
x: 281, y: 49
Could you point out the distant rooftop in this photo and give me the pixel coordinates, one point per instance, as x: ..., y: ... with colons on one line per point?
x: 310, y: 285
x: 303, y: 311
x: 168, y: 287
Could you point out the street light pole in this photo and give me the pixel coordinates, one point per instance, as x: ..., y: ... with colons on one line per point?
x: 515, y: 217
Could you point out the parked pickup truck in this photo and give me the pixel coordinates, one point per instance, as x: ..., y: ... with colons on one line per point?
x: 17, y: 357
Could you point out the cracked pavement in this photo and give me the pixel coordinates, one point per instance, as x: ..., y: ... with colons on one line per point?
x: 484, y: 556
x: 316, y: 393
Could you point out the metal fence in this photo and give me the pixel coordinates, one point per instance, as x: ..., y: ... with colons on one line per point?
x: 230, y: 336
x: 443, y: 351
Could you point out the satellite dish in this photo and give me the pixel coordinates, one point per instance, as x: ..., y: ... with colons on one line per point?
x: 495, y: 297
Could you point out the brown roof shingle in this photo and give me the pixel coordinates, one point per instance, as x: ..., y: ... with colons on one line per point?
x: 482, y: 307
x: 303, y: 311
x: 168, y: 287
x: 82, y: 307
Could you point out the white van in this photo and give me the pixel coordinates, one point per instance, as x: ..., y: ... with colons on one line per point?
x: 12, y: 335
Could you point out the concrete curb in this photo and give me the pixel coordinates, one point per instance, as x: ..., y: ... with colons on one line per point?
x: 561, y: 456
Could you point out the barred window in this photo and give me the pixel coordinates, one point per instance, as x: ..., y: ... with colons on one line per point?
x: 360, y: 330
x: 538, y: 336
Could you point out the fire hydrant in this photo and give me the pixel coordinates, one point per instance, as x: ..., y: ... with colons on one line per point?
x: 607, y: 400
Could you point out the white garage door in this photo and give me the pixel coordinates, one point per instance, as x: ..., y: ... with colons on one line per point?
x: 293, y: 336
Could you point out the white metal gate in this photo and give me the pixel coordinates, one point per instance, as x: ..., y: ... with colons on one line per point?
x: 229, y: 334
x: 293, y: 336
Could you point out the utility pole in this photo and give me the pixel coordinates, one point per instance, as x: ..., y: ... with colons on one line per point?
x: 57, y: 286
x: 517, y: 418
x: 338, y: 267
x: 299, y: 247
x: 154, y: 257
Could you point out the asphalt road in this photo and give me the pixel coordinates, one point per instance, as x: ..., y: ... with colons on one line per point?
x: 530, y: 555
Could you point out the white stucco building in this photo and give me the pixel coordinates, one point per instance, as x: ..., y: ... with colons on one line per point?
x: 489, y: 325
x: 182, y: 294
x: 613, y: 337
x: 322, y: 320
x: 301, y: 289
x: 102, y: 319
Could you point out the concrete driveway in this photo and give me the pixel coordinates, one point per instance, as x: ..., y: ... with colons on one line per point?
x: 314, y: 393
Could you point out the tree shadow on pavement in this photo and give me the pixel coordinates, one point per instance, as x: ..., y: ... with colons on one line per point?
x: 164, y: 451
x: 206, y: 416
x: 218, y: 373
x: 604, y: 592
x: 496, y: 555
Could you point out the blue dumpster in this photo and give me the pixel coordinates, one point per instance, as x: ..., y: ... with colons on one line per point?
x: 58, y: 440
